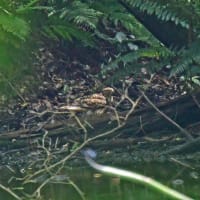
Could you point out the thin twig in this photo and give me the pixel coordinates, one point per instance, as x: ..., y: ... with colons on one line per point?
x: 9, y: 191
x: 77, y: 189
x: 185, y: 132
x: 79, y: 123
x: 196, y: 101
x: 62, y: 162
x: 181, y: 163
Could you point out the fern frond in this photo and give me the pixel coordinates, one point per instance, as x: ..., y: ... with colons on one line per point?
x: 117, y: 13
x: 128, y: 58
x: 14, y: 25
x: 68, y: 32
x: 122, y: 72
x: 81, y: 14
x: 124, y: 59
x: 14, y: 56
x: 178, y: 12
x: 188, y: 57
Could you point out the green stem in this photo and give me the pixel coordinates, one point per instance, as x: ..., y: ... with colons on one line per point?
x: 132, y: 176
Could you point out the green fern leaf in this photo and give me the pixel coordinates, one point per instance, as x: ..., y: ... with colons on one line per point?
x: 187, y: 57
x: 68, y: 32
x: 14, y: 25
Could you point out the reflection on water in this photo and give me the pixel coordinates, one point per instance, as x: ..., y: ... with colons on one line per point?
x: 96, y: 186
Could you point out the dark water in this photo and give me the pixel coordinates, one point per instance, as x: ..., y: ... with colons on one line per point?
x: 96, y: 186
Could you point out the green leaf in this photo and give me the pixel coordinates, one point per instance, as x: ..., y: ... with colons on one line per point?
x: 14, y: 25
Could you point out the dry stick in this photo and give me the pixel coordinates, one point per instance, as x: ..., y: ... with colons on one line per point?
x: 77, y: 189
x: 134, y: 105
x: 61, y: 162
x: 196, y: 101
x: 37, y: 192
x: 9, y: 191
x: 185, y: 132
x: 115, y: 113
x: 71, y: 154
x: 181, y: 163
x: 182, y: 147
x: 47, y: 152
x: 79, y: 122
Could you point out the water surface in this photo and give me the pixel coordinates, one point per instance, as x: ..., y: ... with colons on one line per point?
x: 96, y: 186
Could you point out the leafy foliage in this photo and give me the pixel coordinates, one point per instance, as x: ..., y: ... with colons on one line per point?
x: 189, y: 60
x: 109, y: 27
x: 14, y: 30
x: 129, y: 63
x: 96, y: 23
x: 71, y: 20
x: 186, y: 14
x: 14, y: 25
x: 164, y: 10
x: 68, y: 32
